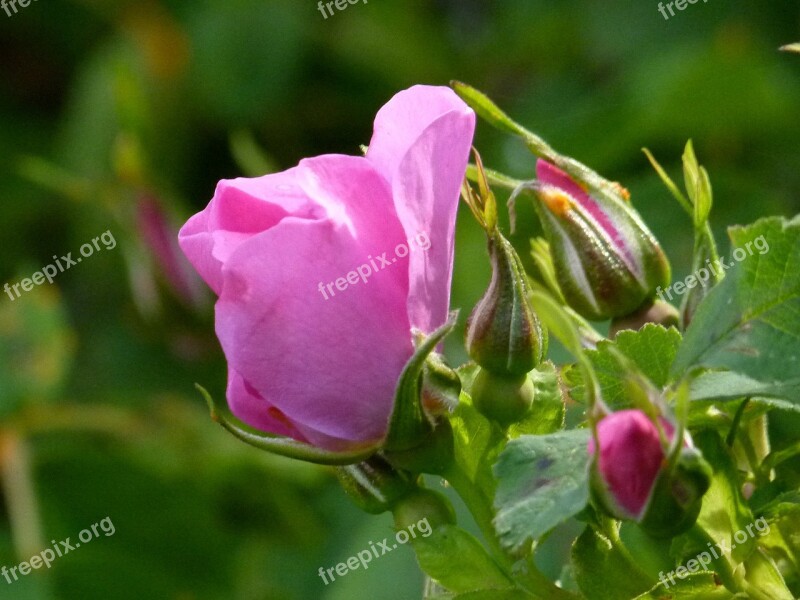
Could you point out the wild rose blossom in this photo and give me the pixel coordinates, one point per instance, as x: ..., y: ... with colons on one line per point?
x: 325, y: 372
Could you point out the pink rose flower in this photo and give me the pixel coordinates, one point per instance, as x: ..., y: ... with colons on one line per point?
x: 322, y: 368
x: 631, y: 456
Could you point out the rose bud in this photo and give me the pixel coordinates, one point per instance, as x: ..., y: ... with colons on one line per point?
x: 633, y: 479
x: 607, y: 261
x: 323, y: 270
x: 504, y: 335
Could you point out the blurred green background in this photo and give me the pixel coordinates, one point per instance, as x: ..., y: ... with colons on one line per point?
x: 121, y: 117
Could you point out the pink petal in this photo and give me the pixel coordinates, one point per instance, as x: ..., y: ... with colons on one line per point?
x: 421, y: 144
x: 330, y: 366
x: 248, y: 405
x: 630, y: 457
x: 552, y: 175
x: 237, y: 211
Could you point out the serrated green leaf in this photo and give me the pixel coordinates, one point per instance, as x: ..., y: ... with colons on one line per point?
x: 652, y: 349
x: 456, y: 560
x: 596, y: 562
x: 541, y: 482
x: 548, y: 411
x: 750, y: 323
x: 782, y: 540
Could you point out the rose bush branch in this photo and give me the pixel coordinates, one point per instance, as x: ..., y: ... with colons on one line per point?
x: 360, y: 383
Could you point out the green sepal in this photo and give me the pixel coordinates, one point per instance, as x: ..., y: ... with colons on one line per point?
x: 677, y: 496
x: 282, y: 446
x: 698, y: 206
x: 441, y: 386
x: 409, y: 424
x: 374, y: 485
x: 492, y: 114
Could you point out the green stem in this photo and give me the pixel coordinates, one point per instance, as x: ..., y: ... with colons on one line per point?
x: 762, y: 477
x: 722, y: 565
x: 20, y: 494
x: 732, y: 578
x: 495, y: 178
x: 611, y: 529
x: 478, y: 505
x: 737, y: 419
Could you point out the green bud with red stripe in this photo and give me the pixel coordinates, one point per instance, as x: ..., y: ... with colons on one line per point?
x: 607, y: 261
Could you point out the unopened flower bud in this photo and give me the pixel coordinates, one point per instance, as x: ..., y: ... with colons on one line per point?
x: 504, y: 335
x: 607, y: 261
x: 632, y: 478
